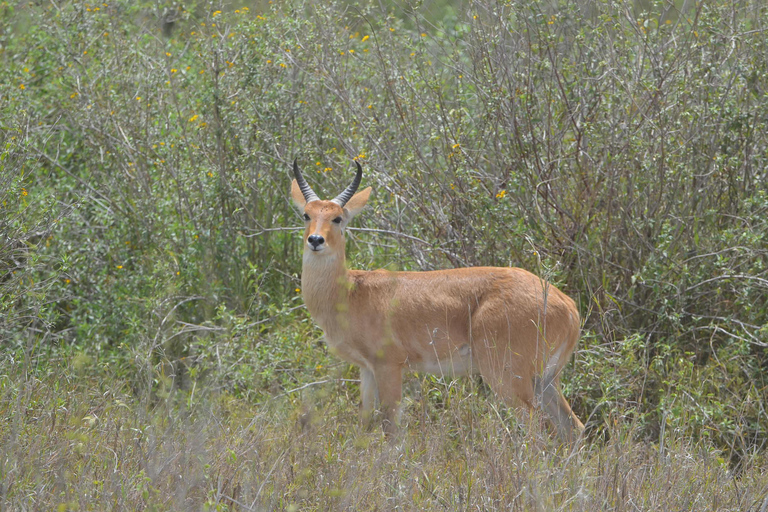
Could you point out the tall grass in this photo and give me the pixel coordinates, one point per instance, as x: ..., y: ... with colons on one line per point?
x: 72, y: 443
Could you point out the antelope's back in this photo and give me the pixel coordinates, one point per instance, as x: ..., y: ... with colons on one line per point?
x: 453, y: 306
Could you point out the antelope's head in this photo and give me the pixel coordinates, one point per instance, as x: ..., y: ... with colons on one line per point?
x: 325, y: 221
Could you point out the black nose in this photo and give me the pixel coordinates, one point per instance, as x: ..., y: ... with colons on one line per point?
x: 315, y: 240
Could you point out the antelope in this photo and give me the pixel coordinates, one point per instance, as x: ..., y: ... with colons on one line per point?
x: 515, y: 329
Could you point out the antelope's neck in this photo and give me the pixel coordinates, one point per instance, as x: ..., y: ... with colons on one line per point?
x: 325, y: 288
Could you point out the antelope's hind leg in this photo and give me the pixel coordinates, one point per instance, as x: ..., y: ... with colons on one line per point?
x: 504, y: 371
x: 509, y: 366
x: 557, y: 409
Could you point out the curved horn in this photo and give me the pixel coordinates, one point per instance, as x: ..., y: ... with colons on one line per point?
x: 309, y: 194
x: 345, y: 196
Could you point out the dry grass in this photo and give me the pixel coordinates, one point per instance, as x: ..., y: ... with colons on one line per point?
x: 80, y: 444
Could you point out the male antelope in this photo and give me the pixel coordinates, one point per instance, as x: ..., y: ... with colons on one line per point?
x: 514, y: 328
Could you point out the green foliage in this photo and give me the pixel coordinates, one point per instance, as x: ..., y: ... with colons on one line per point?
x: 147, y: 232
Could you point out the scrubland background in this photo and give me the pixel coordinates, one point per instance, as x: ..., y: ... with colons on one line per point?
x: 154, y: 350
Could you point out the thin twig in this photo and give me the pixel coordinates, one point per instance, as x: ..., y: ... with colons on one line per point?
x: 268, y: 230
x: 733, y: 276
x: 410, y: 237
x: 310, y: 384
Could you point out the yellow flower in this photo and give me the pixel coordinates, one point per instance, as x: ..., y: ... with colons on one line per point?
x: 456, y: 146
x: 119, y: 266
x: 298, y: 290
x: 24, y: 192
x: 22, y: 87
x: 501, y: 194
x: 193, y: 118
x: 216, y: 13
x: 167, y: 54
x: 364, y: 39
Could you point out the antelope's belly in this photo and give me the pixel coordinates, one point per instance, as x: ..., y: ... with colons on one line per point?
x: 453, y: 364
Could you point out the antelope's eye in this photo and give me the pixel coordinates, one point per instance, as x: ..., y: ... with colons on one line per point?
x: 306, y: 217
x: 337, y: 220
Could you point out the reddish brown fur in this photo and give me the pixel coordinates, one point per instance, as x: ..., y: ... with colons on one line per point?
x: 511, y: 326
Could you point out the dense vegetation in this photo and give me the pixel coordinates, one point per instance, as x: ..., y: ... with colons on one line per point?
x: 151, y: 324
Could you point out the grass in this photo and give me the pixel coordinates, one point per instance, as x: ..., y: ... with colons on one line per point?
x: 75, y: 442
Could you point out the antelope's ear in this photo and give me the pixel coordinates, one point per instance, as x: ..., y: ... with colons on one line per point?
x: 297, y: 196
x: 357, y: 202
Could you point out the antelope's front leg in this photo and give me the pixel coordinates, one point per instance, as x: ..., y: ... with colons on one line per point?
x: 389, y: 382
x: 367, y: 396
